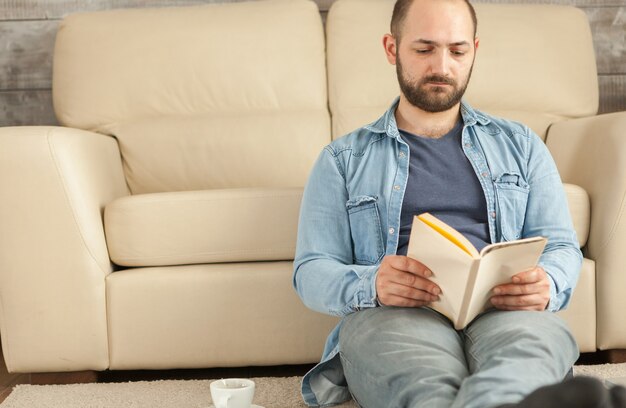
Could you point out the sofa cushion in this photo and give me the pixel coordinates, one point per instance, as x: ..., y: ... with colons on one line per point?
x: 517, y: 74
x: 224, y: 315
x: 227, y: 226
x: 203, y: 227
x: 222, y: 151
x: 202, y: 97
x: 580, y: 314
x: 580, y: 210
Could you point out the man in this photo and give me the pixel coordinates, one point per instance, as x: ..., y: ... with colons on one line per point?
x: 489, y: 178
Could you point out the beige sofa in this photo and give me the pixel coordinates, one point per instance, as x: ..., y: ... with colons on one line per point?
x: 156, y: 228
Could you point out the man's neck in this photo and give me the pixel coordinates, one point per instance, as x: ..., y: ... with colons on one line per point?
x: 419, y: 122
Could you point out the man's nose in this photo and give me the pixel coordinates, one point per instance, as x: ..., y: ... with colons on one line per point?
x: 441, y: 63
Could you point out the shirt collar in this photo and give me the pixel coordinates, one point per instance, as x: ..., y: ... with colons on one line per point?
x: 471, y: 116
x: 387, y: 123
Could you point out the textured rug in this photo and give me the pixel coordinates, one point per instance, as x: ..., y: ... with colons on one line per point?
x: 270, y: 393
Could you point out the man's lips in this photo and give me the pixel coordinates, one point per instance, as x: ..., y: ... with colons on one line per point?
x: 438, y: 81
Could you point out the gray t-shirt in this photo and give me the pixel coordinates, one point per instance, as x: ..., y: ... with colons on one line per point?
x: 443, y: 183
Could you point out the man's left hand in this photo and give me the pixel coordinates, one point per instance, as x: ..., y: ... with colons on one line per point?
x: 529, y: 290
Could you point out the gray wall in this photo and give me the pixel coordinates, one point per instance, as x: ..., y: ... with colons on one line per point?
x: 28, y: 29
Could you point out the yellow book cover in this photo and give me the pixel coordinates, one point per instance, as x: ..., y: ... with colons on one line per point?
x: 466, y: 277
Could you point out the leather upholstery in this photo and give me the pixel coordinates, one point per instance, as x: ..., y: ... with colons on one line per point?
x: 209, y: 151
x: 220, y: 315
x: 53, y: 255
x: 184, y: 91
x: 211, y: 226
x: 580, y: 210
x: 212, y: 118
x: 533, y: 45
x: 591, y: 153
x: 581, y: 313
x: 225, y: 225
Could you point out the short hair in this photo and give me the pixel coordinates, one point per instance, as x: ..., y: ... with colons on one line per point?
x: 401, y: 8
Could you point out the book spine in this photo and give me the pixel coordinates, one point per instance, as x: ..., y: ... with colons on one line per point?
x: 467, y: 296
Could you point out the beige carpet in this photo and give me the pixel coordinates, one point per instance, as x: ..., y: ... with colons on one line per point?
x: 271, y: 393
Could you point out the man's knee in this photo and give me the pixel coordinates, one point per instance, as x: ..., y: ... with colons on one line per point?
x: 542, y: 324
x: 544, y: 328
x: 521, y: 321
x: 364, y: 330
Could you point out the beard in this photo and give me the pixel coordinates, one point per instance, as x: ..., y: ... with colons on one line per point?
x: 431, y: 99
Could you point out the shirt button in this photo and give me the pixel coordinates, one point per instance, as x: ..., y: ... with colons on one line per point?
x: 396, y: 188
x: 493, y: 214
x: 468, y: 145
x: 484, y: 174
x: 401, y: 155
x: 391, y: 230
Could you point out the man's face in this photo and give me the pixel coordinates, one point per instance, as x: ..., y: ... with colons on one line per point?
x: 435, y: 55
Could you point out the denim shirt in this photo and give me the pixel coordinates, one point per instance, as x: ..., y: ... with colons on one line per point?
x: 350, y: 219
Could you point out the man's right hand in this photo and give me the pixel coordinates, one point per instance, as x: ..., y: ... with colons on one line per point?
x: 403, y: 281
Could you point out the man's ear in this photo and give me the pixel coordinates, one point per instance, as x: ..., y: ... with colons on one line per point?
x: 389, y: 42
x: 476, y: 42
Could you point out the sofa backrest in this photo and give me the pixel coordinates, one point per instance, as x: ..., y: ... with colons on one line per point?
x: 535, y: 63
x: 204, y: 97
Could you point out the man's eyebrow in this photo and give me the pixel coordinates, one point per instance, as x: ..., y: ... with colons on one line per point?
x: 431, y: 42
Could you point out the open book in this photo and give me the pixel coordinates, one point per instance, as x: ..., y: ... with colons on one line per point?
x: 465, y: 276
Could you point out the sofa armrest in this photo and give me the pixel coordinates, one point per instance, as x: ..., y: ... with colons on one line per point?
x: 55, y: 183
x: 591, y: 152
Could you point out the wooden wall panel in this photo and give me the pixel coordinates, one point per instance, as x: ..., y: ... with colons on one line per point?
x: 28, y: 29
x: 25, y: 62
x: 577, y: 3
x: 612, y: 93
x: 608, y: 27
x: 57, y: 9
x: 26, y: 107
x: 26, y: 56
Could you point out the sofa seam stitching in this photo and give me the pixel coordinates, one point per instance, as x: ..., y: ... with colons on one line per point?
x: 620, y: 214
x: 69, y: 202
x: 238, y: 251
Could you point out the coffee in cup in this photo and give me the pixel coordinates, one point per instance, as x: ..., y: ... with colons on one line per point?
x: 232, y: 393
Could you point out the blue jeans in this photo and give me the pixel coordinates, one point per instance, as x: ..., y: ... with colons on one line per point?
x: 413, y: 357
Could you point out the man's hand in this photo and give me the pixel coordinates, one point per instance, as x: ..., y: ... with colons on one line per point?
x: 402, y: 281
x: 529, y: 290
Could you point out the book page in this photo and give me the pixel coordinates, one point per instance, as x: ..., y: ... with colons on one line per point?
x: 499, y: 263
x: 449, y: 263
x: 449, y: 233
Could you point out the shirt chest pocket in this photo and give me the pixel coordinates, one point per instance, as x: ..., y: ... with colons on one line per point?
x: 511, y: 199
x: 365, y: 229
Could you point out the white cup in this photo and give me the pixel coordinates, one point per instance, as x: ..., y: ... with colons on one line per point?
x: 232, y: 393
